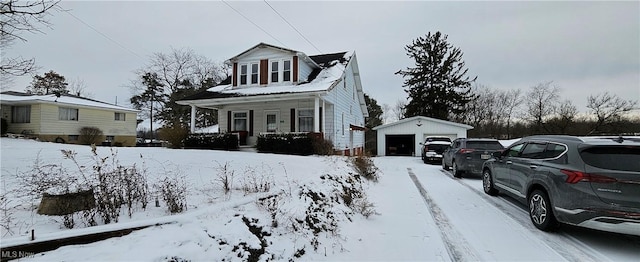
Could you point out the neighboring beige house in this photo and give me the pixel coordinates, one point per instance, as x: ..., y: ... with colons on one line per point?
x: 279, y: 90
x: 60, y: 118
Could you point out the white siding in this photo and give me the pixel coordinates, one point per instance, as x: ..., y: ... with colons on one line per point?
x: 304, y: 70
x: 346, y: 103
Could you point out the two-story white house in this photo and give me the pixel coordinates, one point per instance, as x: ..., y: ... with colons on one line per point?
x: 277, y: 90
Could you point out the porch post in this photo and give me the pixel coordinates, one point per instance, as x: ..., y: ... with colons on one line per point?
x: 316, y: 115
x: 193, y: 118
x: 324, y: 116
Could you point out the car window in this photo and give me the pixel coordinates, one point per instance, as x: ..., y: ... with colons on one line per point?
x: 554, y: 150
x: 487, y: 145
x: 514, y: 150
x: 443, y: 139
x: 623, y: 158
x: 534, y: 151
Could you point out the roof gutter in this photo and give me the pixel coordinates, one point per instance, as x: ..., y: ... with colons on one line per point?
x: 220, y: 102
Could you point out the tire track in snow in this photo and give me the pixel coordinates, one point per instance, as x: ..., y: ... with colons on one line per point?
x: 564, y: 244
x: 457, y: 246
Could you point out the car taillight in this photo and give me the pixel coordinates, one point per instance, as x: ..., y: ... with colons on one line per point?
x: 466, y: 150
x: 577, y: 176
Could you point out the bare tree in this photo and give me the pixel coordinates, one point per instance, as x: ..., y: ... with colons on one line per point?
x: 399, y: 109
x: 608, y: 108
x: 565, y: 116
x: 17, y: 17
x: 512, y: 101
x: 542, y: 101
x: 179, y: 73
x: 79, y: 88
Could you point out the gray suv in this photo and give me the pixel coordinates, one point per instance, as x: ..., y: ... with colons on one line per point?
x: 466, y: 155
x: 591, y: 182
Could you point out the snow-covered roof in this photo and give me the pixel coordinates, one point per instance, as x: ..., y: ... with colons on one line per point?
x: 423, y: 118
x: 12, y: 97
x: 332, y: 67
x: 322, y: 82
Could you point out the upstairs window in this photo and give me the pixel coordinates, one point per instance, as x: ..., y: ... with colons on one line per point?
x: 286, y: 72
x: 275, y: 71
x: 68, y: 114
x: 21, y: 114
x: 254, y: 73
x: 119, y: 116
x: 243, y: 74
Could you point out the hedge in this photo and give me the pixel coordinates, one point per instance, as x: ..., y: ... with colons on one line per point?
x: 224, y: 141
x: 288, y: 143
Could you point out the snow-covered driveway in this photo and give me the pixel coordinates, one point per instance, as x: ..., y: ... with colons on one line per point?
x: 474, y: 226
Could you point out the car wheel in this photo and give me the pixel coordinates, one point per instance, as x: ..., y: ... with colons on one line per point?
x: 444, y: 165
x: 424, y: 159
x: 541, y: 211
x: 456, y: 172
x: 487, y: 183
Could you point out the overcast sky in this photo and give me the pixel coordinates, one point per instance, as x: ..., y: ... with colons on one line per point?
x: 585, y: 48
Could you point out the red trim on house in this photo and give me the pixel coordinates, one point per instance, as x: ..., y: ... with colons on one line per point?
x: 357, y: 128
x: 264, y: 71
x: 234, y: 74
x: 295, y: 69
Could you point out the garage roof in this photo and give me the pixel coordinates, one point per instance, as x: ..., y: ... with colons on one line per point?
x: 425, y: 119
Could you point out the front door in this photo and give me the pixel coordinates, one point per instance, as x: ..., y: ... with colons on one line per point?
x: 271, y: 121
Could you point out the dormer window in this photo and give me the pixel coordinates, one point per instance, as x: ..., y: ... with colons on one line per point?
x: 254, y: 73
x: 286, y: 72
x: 275, y: 71
x: 243, y: 74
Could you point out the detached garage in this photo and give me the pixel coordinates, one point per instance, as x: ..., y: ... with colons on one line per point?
x: 403, y: 138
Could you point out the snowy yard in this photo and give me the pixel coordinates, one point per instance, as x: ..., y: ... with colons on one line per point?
x: 422, y: 213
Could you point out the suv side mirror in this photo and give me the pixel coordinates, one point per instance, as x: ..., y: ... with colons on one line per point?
x: 497, y: 154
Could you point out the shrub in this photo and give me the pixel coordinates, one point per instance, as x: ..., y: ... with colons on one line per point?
x: 289, y: 143
x: 323, y: 147
x: 4, y: 126
x: 174, y: 193
x: 225, y: 141
x: 365, y: 167
x: 174, y: 135
x: 90, y: 135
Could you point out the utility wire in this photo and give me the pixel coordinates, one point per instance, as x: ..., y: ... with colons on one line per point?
x: 103, y: 35
x: 256, y: 25
x: 294, y: 28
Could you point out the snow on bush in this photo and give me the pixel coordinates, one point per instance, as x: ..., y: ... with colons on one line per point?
x: 299, y: 203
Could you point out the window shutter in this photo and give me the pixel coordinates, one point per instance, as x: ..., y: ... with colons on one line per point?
x: 295, y: 69
x: 264, y: 71
x: 293, y: 119
x: 320, y: 120
x: 234, y: 74
x: 250, y: 122
x: 229, y: 121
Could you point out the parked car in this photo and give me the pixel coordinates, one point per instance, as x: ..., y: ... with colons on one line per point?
x: 591, y: 182
x: 433, y: 147
x: 466, y: 155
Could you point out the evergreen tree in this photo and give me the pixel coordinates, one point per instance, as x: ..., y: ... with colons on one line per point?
x: 49, y: 83
x: 375, y: 112
x: 151, y: 97
x: 437, y: 86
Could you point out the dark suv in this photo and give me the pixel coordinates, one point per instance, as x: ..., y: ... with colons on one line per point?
x: 591, y: 182
x: 466, y: 155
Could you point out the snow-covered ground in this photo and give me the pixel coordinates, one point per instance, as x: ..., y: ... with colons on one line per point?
x: 423, y: 214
